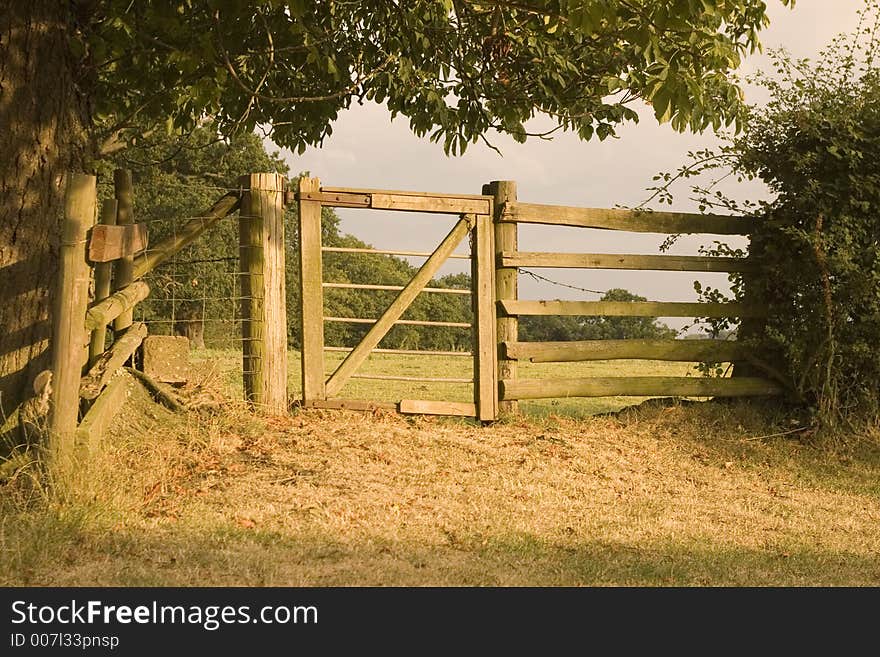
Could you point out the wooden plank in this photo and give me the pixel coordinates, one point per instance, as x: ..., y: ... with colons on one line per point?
x: 398, y: 307
x: 124, y: 189
x: 103, y: 279
x: 716, y: 351
x: 69, y: 309
x: 416, y: 254
x: 628, y: 220
x: 104, y: 312
x: 311, y: 293
x: 103, y: 411
x: 404, y: 192
x: 405, y: 322
x: 626, y: 261
x: 409, y: 352
x: 112, y: 359
x: 411, y: 379
x: 109, y: 242
x: 349, y: 405
x: 485, y: 347
x: 264, y: 309
x: 336, y: 199
x: 420, y: 407
x: 396, y: 288
x: 645, y: 386
x: 506, y: 280
x: 185, y: 235
x: 629, y: 309
x: 440, y: 205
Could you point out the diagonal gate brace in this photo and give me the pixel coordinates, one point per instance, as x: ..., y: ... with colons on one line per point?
x: 403, y: 301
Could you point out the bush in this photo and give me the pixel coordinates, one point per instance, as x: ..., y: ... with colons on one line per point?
x: 816, y: 145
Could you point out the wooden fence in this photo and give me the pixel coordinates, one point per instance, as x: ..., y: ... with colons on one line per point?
x: 509, y: 213
x: 112, y: 258
x: 115, y: 254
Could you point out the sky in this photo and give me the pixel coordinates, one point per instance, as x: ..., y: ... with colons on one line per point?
x: 368, y: 149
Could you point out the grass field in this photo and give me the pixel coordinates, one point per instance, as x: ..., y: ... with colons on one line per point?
x: 663, y: 494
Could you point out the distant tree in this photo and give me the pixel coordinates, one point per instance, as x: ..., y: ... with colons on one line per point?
x: 564, y: 328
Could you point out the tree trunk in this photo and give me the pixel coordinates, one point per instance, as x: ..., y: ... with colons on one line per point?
x: 42, y: 136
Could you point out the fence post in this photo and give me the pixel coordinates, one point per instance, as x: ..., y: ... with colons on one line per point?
x: 103, y: 275
x: 483, y: 298
x: 264, y: 307
x: 124, y: 266
x: 311, y: 293
x: 505, y: 281
x: 68, y: 318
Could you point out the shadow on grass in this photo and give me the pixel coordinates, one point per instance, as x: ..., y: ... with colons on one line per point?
x: 233, y: 556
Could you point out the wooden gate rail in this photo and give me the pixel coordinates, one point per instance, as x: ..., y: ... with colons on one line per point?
x: 404, y: 322
x: 408, y: 352
x: 365, y: 286
x: 415, y: 379
x: 396, y: 252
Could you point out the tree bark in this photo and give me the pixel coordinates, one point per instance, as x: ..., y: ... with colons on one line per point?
x: 43, y: 135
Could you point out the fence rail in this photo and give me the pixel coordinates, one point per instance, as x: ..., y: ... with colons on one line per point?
x: 643, y: 386
x: 625, y: 220
x: 364, y: 286
x: 718, y: 351
x: 629, y: 308
x: 625, y: 261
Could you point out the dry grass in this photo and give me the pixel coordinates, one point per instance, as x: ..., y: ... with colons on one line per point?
x: 660, y: 495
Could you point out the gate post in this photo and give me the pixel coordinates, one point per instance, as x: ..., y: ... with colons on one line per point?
x: 505, y: 280
x: 263, y: 303
x: 69, y: 318
x: 483, y: 298
x: 311, y: 293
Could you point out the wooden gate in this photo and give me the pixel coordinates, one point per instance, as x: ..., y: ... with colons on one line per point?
x: 474, y: 220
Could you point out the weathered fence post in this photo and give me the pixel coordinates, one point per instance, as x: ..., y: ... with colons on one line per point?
x: 124, y: 215
x: 483, y: 298
x: 103, y: 275
x: 505, y: 280
x: 311, y: 292
x: 68, y: 318
x: 264, y: 301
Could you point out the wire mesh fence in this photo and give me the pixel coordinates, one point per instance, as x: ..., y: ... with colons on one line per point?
x: 196, y: 293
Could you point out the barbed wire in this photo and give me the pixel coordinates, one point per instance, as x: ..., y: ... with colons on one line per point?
x: 539, y: 277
